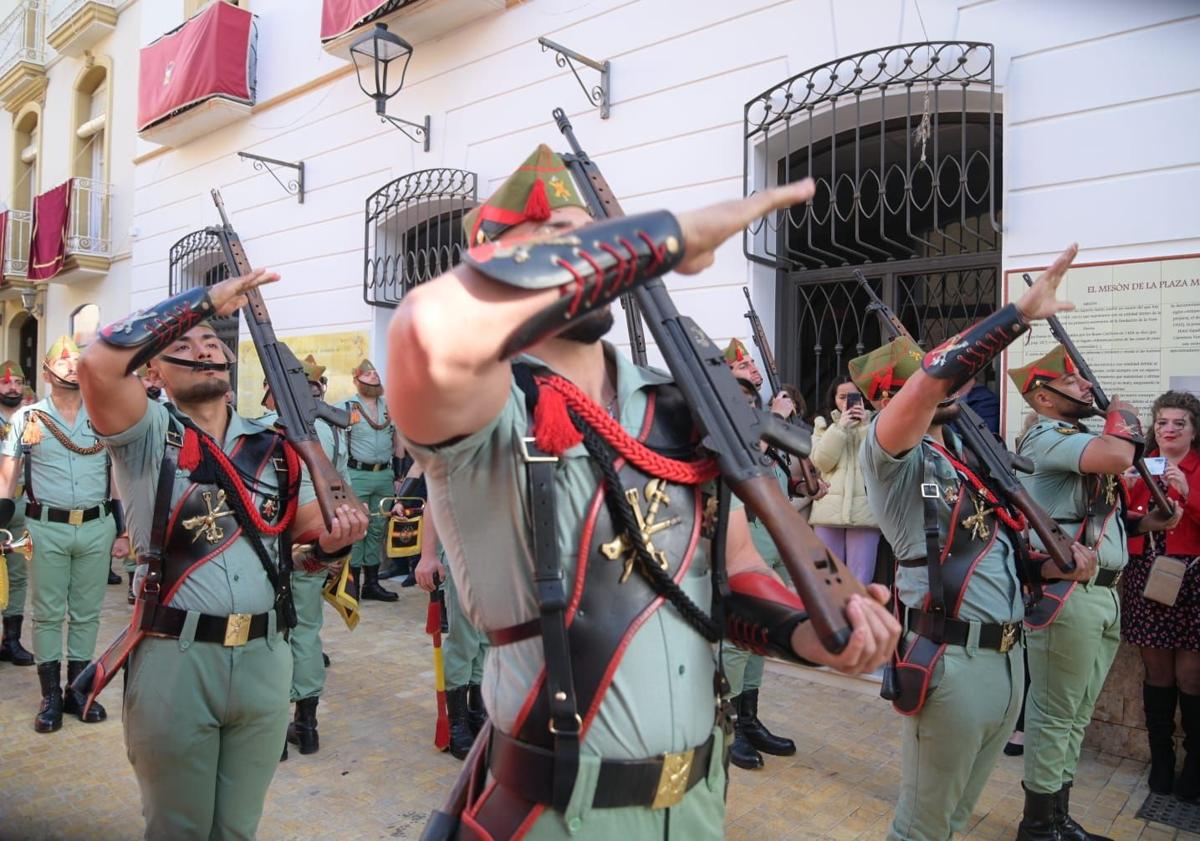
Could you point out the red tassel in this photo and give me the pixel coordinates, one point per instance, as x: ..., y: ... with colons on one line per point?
x: 552, y: 425
x: 537, y: 206
x: 189, y: 453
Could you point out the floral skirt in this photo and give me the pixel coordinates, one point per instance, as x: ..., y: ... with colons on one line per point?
x: 1149, y: 624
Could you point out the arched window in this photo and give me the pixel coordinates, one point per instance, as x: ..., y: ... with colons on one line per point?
x: 92, y: 101
x: 27, y: 149
x: 85, y: 321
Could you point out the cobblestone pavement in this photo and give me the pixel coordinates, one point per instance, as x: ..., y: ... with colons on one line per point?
x: 377, y: 774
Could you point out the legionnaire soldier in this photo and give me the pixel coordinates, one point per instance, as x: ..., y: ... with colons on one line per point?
x: 375, y: 466
x: 53, y: 451
x: 12, y: 393
x: 1073, y: 633
x: 959, y: 674
x: 212, y: 501
x: 614, y: 734
x: 739, y: 360
x: 308, y: 578
x: 463, y: 646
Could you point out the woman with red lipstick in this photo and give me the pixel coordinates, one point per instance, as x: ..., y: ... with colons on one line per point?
x: 1169, y: 637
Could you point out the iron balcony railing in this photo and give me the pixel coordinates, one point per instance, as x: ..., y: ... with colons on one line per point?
x: 62, y: 10
x: 16, y: 243
x: 90, y: 230
x: 23, y: 35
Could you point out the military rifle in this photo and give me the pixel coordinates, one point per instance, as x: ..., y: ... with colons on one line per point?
x: 1000, y: 463
x: 809, y: 475
x: 731, y: 429
x: 1101, y: 400
x: 298, y: 409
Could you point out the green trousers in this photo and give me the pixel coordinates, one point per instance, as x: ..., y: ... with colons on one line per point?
x: 371, y: 487
x: 68, y: 576
x: 949, y: 749
x: 18, y: 568
x: 464, y: 648
x: 308, y: 666
x: 1068, y: 663
x: 204, y: 727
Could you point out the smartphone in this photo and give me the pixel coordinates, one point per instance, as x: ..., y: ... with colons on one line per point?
x: 853, y: 399
x: 1157, y: 465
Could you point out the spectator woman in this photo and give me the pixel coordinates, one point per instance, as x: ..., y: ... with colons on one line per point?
x: 1169, y: 637
x: 842, y: 519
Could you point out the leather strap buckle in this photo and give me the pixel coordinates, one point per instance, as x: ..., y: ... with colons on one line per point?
x: 673, y: 779
x: 930, y: 490
x: 75, y: 517
x: 575, y: 732
x: 530, y: 458
x: 237, y: 629
x: 1008, y: 637
x: 174, y: 438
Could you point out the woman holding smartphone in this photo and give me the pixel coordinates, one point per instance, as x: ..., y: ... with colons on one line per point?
x: 842, y: 519
x: 1169, y: 635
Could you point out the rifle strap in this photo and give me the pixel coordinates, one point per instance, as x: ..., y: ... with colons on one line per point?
x: 164, y: 491
x: 931, y: 492
x: 150, y: 331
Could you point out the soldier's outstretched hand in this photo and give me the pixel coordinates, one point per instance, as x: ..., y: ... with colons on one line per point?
x: 1041, y: 299
x: 874, y: 637
x: 1085, y: 565
x: 705, y: 229
x: 349, y: 526
x: 229, y: 296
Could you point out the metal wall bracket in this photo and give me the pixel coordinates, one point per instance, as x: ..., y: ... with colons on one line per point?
x: 597, y: 94
x: 421, y: 130
x: 293, y: 186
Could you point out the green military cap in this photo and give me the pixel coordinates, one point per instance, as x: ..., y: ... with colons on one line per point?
x: 63, y: 348
x: 12, y: 371
x: 735, y: 351
x: 883, y: 371
x: 1050, y: 367
x: 28, y: 394
x: 539, y: 185
x: 364, y: 367
x: 312, y: 371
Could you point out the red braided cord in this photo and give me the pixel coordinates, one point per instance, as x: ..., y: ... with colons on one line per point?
x: 289, y: 512
x: 638, y: 454
x: 1017, y: 522
x: 576, y: 287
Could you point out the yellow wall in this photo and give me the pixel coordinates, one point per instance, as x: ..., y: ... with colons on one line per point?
x: 338, y: 352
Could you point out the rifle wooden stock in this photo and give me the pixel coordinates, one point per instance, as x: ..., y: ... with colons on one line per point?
x: 1000, y: 463
x: 298, y: 409
x: 1101, y: 400
x: 731, y: 430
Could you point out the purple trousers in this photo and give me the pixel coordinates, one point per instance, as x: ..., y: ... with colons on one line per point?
x: 856, y: 546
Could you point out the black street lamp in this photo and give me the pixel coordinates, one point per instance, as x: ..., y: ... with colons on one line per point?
x: 383, y: 59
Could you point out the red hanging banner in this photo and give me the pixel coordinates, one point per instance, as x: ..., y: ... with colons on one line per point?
x: 48, y: 242
x: 340, y: 16
x: 208, y: 56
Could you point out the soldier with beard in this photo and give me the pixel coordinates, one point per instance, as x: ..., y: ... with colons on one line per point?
x: 12, y: 395
x: 152, y: 382
x: 75, y: 525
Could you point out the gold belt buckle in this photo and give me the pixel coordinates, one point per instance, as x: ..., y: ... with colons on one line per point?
x: 1008, y: 638
x: 673, y: 779
x: 75, y: 517
x: 237, y: 629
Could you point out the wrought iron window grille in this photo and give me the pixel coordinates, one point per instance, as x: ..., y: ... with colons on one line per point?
x: 293, y: 186
x: 597, y: 94
x: 197, y: 260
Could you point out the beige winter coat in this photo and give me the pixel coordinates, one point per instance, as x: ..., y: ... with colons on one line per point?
x: 835, y: 454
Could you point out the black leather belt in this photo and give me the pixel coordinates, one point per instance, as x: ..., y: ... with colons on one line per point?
x: 1108, y: 577
x: 998, y: 635
x: 368, y: 466
x: 232, y: 630
x: 71, y: 516
x: 658, y: 782
x: 910, y: 563
x: 515, y: 633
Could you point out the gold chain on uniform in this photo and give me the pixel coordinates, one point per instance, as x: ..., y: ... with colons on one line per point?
x: 62, y: 436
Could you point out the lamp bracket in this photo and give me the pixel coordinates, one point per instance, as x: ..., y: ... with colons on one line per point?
x: 420, y: 130
x: 294, y: 186
x: 596, y: 94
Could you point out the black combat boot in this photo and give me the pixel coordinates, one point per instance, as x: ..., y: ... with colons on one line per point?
x: 113, y: 578
x: 742, y: 753
x: 10, y: 647
x: 410, y: 579
x: 755, y: 732
x: 476, y: 713
x: 1038, y: 824
x: 49, y: 716
x: 1159, y: 703
x: 1068, y: 829
x: 73, y: 701
x: 1187, y: 784
x: 370, y: 586
x: 302, y: 732
x: 129, y: 596
x: 461, y: 737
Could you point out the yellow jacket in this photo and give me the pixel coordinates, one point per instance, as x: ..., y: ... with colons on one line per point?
x: 835, y: 454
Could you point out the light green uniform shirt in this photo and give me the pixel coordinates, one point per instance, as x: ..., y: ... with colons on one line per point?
x: 1058, y: 485
x: 367, y: 444
x: 993, y: 593
x: 61, y: 478
x: 761, y: 538
x: 234, y: 581
x: 661, y: 698
x: 332, y: 441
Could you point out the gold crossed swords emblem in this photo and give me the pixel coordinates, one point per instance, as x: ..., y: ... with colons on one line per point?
x: 977, y: 522
x: 621, y: 547
x: 206, y: 524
